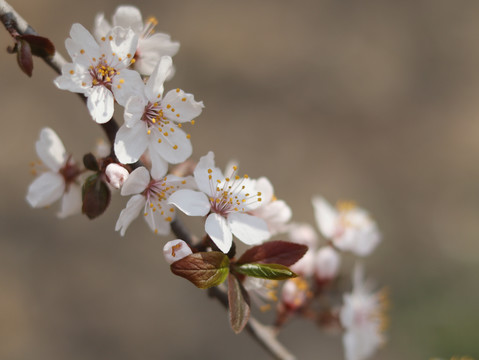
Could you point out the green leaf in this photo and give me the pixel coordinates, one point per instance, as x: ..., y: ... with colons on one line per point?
x: 265, y: 271
x: 238, y: 300
x: 96, y: 196
x: 203, y: 269
x: 274, y: 252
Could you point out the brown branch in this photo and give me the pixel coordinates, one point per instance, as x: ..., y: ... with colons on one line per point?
x: 262, y: 334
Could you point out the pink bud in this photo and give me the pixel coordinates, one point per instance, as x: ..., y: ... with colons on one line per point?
x: 327, y: 263
x: 175, y: 250
x: 116, y: 175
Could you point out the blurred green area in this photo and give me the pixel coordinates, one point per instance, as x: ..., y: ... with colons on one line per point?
x: 374, y: 101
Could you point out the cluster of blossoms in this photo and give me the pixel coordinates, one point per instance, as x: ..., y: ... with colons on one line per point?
x: 126, y: 63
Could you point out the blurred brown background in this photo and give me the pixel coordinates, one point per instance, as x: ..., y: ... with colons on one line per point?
x: 375, y: 101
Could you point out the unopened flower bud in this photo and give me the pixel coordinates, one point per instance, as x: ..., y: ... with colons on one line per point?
x: 327, y: 263
x: 305, y: 265
x: 303, y: 234
x: 116, y: 175
x: 175, y: 250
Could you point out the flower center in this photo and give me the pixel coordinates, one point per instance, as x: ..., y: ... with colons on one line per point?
x: 70, y: 171
x: 102, y: 73
x: 231, y: 195
x: 153, y: 115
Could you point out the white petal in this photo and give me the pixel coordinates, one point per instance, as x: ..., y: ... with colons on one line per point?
x: 84, y: 40
x: 159, y: 166
x: 128, y: 17
x: 249, y: 229
x: 45, y: 189
x: 192, y: 203
x: 175, y: 250
x: 182, y: 106
x: 128, y: 83
x: 121, y: 49
x: 101, y: 104
x: 116, y: 175
x: 75, y: 82
x: 71, y: 202
x: 101, y: 27
x: 327, y: 263
x: 130, y: 213
x: 202, y: 174
x: 154, y: 86
x: 174, y: 148
x: 151, y: 49
x: 137, y: 181
x: 131, y: 143
x: 50, y: 149
x: 326, y: 216
x: 159, y: 223
x: 264, y: 186
x: 134, y: 110
x: 217, y: 228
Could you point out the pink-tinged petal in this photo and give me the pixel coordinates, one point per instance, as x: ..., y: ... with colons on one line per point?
x: 130, y: 213
x: 73, y: 79
x: 45, y: 189
x: 181, y: 107
x: 249, y: 229
x: 154, y: 86
x: 174, y: 147
x: 159, y: 166
x: 131, y: 143
x: 217, y: 228
x: 202, y: 174
x: 134, y: 109
x: 50, y: 149
x: 116, y: 175
x: 326, y: 216
x: 101, y: 27
x: 137, y: 181
x: 71, y: 202
x: 128, y: 83
x: 192, y: 203
x: 327, y: 263
x: 84, y: 40
x: 151, y: 49
x: 159, y: 217
x: 121, y: 48
x: 128, y: 17
x: 100, y: 104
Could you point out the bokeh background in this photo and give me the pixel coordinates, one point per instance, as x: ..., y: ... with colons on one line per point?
x: 374, y: 101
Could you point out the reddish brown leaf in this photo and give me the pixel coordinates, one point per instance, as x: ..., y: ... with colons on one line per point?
x: 96, y: 196
x: 203, y: 269
x: 274, y: 252
x: 24, y: 57
x: 238, y: 300
x: 41, y: 46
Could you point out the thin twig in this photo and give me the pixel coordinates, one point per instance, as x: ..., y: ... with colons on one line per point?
x: 264, y: 335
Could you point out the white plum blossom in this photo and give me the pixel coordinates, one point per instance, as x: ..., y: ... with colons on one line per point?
x: 295, y: 292
x: 349, y: 227
x: 116, y: 175
x: 154, y: 121
x: 150, y: 195
x: 99, y: 71
x: 326, y: 264
x: 227, y: 201
x: 58, y: 180
x: 275, y: 212
x: 175, y: 250
x: 363, y: 317
x: 151, y: 46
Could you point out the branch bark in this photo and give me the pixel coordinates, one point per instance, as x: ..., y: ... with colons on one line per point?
x: 262, y: 334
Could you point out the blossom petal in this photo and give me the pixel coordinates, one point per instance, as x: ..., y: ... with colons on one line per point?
x: 101, y: 104
x: 151, y: 49
x: 326, y: 216
x: 154, y: 86
x: 174, y: 147
x: 84, y: 40
x: 217, y: 228
x: 130, y: 213
x: 202, y: 174
x: 192, y: 203
x: 50, y: 149
x: 101, y: 26
x: 134, y: 109
x: 182, y: 107
x: 71, y: 202
x: 120, y: 46
x: 264, y: 186
x: 128, y: 83
x: 73, y: 79
x: 130, y: 143
x: 249, y: 229
x: 159, y: 166
x: 45, y: 189
x: 137, y: 181
x: 159, y: 218
x: 128, y: 17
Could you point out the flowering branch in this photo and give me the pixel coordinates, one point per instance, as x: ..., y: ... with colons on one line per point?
x: 264, y: 335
